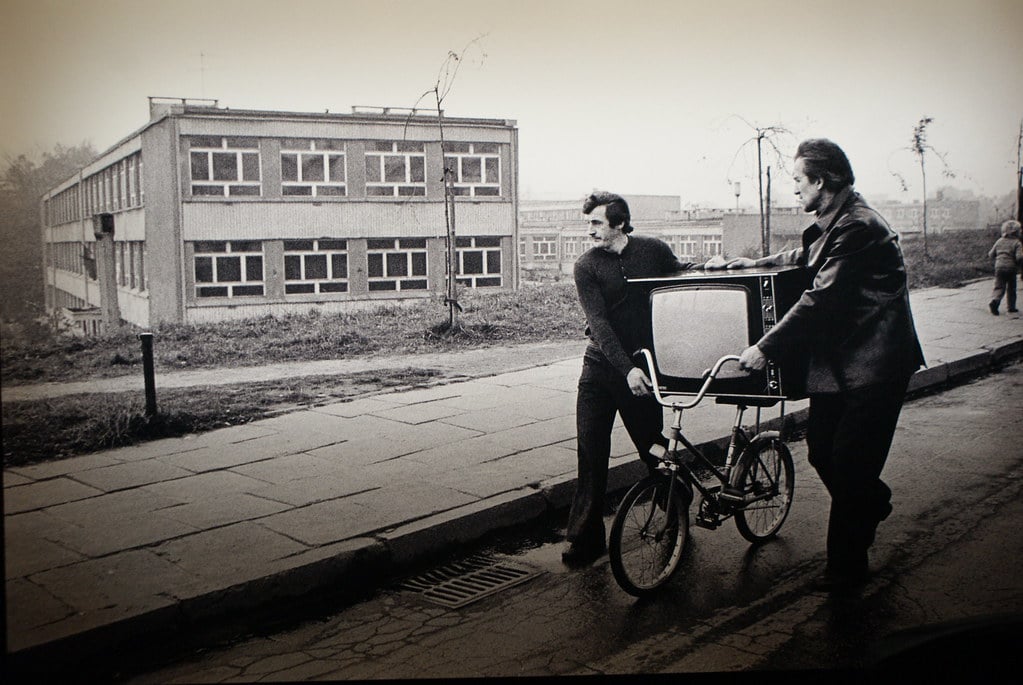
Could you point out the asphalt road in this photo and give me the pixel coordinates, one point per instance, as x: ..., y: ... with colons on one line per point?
x: 946, y: 596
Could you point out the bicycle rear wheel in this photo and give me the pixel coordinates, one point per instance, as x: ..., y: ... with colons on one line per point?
x: 648, y: 535
x: 766, y: 478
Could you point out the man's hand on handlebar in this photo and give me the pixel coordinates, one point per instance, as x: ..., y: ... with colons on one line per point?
x: 752, y: 359
x: 639, y: 382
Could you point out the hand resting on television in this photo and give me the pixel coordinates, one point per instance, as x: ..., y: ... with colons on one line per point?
x: 719, y: 262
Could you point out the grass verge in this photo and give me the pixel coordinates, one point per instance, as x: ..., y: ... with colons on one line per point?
x: 61, y: 427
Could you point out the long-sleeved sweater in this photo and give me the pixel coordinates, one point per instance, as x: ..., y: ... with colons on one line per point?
x: 618, y: 316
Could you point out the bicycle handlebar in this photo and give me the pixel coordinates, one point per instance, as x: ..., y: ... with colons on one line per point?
x: 709, y: 376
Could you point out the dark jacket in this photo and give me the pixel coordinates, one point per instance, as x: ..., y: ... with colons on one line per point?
x: 854, y: 322
x: 618, y: 317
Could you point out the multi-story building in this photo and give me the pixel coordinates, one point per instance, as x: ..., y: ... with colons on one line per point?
x: 214, y: 213
x: 553, y: 234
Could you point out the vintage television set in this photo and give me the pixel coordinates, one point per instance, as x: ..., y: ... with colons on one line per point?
x: 699, y: 316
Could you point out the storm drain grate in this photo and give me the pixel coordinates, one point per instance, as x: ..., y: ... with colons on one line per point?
x: 468, y: 580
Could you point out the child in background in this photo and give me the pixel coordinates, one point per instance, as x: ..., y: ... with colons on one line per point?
x: 1008, y: 255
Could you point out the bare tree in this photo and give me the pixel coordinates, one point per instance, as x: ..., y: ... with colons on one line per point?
x: 441, y: 88
x: 919, y: 147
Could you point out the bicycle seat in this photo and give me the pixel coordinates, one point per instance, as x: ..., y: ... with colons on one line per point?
x: 749, y: 401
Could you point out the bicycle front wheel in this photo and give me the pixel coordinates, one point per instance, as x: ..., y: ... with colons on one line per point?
x: 648, y: 535
x: 766, y: 478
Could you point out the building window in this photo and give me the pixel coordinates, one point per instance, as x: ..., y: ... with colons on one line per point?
x: 224, y: 166
x: 479, y: 261
x: 686, y: 248
x: 138, y: 265
x: 396, y: 264
x: 711, y: 246
x: 475, y: 168
x: 545, y: 248
x: 133, y: 196
x: 395, y: 169
x: 312, y: 168
x: 571, y: 246
x: 89, y: 260
x: 119, y: 264
x: 315, y: 266
x: 228, y: 269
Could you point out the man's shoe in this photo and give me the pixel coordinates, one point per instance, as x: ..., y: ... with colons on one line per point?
x: 841, y: 582
x: 1013, y: 311
x: 993, y: 306
x: 580, y: 555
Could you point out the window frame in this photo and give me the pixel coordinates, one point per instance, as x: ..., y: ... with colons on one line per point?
x: 239, y: 185
x: 459, y: 154
x: 415, y: 150
x: 411, y: 248
x: 320, y: 247
x: 541, y: 241
x: 491, y: 246
x: 231, y: 250
x: 323, y: 149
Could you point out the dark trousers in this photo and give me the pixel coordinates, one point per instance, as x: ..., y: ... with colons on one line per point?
x: 603, y: 392
x: 848, y: 437
x: 1005, y: 284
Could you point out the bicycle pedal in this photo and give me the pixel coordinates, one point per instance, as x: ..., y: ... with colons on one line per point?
x: 708, y: 523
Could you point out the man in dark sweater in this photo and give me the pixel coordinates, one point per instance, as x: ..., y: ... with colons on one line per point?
x: 618, y: 324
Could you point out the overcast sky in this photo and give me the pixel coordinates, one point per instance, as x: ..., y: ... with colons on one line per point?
x: 639, y: 97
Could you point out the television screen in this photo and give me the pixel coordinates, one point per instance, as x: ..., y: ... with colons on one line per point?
x: 695, y: 325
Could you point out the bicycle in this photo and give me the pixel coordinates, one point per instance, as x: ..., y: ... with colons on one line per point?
x: 651, y: 526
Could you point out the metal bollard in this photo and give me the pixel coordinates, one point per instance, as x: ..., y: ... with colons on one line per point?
x: 147, y: 371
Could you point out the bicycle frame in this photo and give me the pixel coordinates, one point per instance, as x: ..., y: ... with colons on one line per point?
x: 737, y: 441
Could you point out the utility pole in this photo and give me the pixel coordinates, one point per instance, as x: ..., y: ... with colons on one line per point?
x: 767, y: 216
x: 1019, y: 174
x: 760, y: 183
x: 763, y: 133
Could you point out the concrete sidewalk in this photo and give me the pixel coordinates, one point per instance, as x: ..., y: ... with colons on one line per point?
x: 163, y: 536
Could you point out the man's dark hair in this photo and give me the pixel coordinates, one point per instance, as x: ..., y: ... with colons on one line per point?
x: 823, y: 159
x: 617, y: 209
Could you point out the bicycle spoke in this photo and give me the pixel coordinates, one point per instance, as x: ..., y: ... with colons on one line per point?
x: 647, y: 536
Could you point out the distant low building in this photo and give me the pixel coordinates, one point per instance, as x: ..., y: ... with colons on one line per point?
x: 741, y: 233
x: 221, y: 213
x: 942, y: 215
